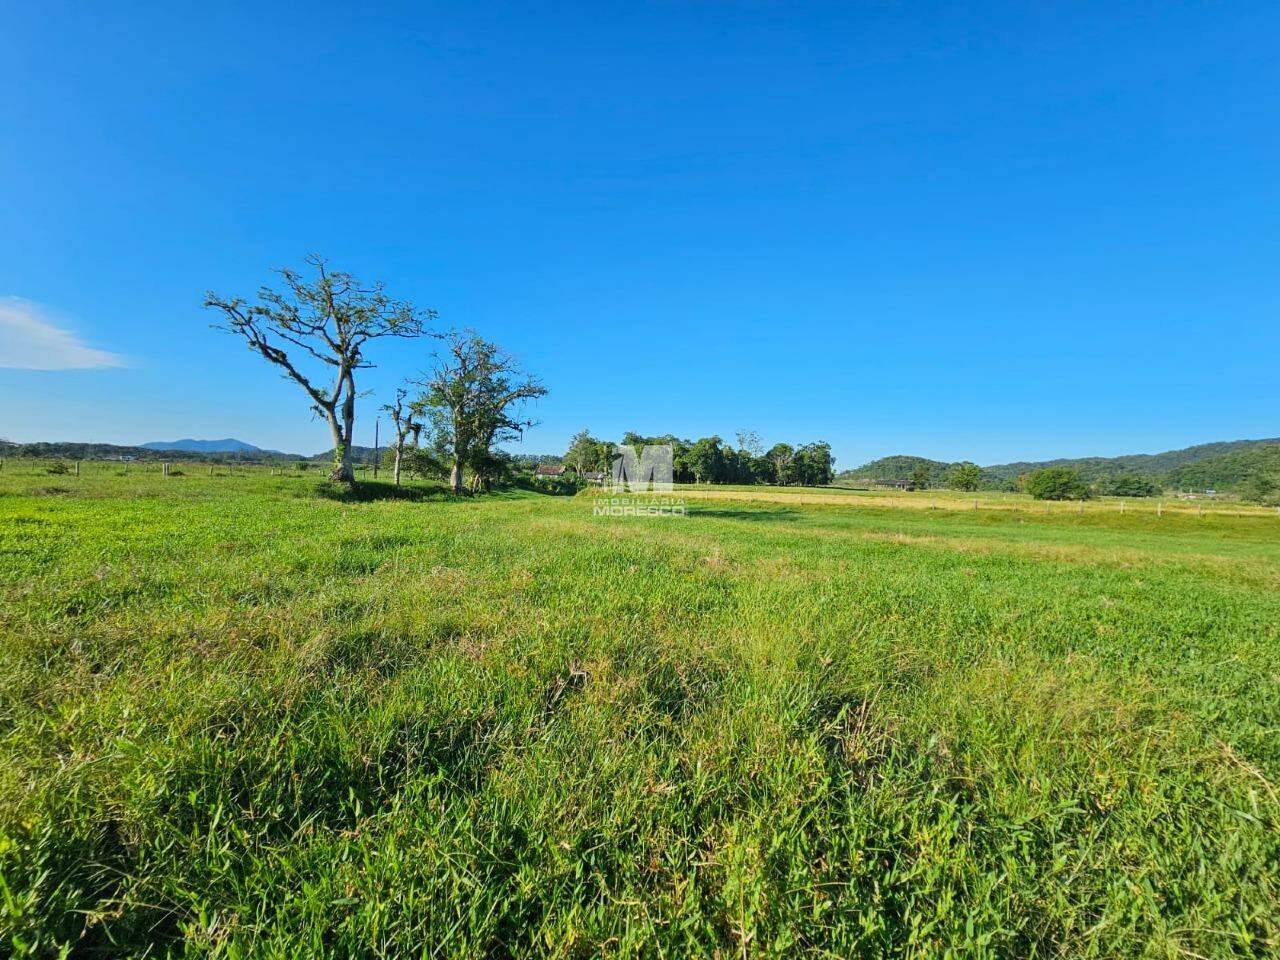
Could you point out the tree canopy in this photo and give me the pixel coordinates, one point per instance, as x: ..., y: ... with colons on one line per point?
x: 324, y: 324
x: 1056, y: 483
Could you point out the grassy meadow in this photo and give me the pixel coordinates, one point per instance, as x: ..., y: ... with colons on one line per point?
x: 241, y: 716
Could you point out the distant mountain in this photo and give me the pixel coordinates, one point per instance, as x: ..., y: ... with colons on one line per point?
x: 1228, y: 470
x: 108, y: 451
x: 1205, y: 466
x: 228, y: 445
x: 1146, y: 464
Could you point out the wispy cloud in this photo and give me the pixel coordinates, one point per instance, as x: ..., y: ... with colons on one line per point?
x: 30, y: 340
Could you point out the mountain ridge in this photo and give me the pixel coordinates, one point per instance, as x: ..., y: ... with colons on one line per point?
x: 1204, y: 465
x: 188, y: 445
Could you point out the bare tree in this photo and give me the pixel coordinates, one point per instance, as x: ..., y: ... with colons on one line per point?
x: 402, y: 417
x: 749, y: 441
x: 474, y: 395
x: 329, y: 320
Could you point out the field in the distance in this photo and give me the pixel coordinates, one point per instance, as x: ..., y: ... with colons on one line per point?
x: 241, y: 717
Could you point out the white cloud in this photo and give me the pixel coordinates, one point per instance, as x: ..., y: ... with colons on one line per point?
x: 29, y: 340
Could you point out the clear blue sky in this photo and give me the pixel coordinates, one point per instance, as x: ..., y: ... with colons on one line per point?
x: 994, y: 231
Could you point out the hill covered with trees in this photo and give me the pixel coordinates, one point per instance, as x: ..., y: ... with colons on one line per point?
x: 1146, y: 464
x: 1229, y: 470
x: 1207, y: 466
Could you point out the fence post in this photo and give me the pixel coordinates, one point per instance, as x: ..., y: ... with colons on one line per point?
x: 77, y: 468
x: 1159, y: 509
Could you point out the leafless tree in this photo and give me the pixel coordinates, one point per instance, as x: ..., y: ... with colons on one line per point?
x: 327, y: 320
x: 402, y: 418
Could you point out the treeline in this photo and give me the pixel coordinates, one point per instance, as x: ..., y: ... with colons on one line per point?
x: 712, y: 460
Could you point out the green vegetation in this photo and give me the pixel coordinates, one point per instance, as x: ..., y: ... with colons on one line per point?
x: 899, y: 468
x: 1151, y: 465
x: 1262, y: 488
x: 317, y: 332
x: 711, y: 460
x: 1208, y: 466
x: 965, y: 476
x: 252, y: 715
x: 1229, y: 471
x: 1056, y: 483
x: 1128, y: 486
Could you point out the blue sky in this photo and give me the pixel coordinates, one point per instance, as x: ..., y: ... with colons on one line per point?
x: 990, y: 231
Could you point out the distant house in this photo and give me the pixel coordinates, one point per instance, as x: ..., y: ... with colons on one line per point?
x: 893, y: 484
x: 593, y: 477
x: 549, y: 470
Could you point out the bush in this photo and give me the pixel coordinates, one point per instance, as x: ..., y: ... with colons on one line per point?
x: 566, y: 485
x: 1056, y: 483
x: 58, y: 469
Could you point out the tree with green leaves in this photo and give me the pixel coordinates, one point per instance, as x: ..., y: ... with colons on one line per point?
x: 328, y: 320
x: 1057, y: 483
x: 919, y: 479
x: 584, y: 453
x: 780, y: 457
x: 1129, y: 485
x: 706, y: 460
x: 474, y: 396
x: 813, y: 465
x: 965, y: 476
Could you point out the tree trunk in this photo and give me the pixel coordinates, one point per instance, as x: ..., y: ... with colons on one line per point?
x: 455, y: 475
x: 398, y: 448
x: 343, y: 471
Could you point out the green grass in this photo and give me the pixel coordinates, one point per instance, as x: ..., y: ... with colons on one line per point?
x: 242, y: 717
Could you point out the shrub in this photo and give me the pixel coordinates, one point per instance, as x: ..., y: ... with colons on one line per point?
x: 1057, y: 483
x: 58, y: 469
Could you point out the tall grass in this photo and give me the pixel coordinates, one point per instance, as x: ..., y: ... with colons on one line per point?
x: 240, y: 716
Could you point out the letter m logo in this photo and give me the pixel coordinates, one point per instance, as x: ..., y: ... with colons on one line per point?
x: 652, y: 470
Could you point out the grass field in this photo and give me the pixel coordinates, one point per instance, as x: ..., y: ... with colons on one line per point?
x: 242, y: 717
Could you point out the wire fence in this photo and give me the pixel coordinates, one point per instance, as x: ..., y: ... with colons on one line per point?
x: 1158, y: 507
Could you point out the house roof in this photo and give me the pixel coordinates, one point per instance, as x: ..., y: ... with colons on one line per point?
x: 548, y: 470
